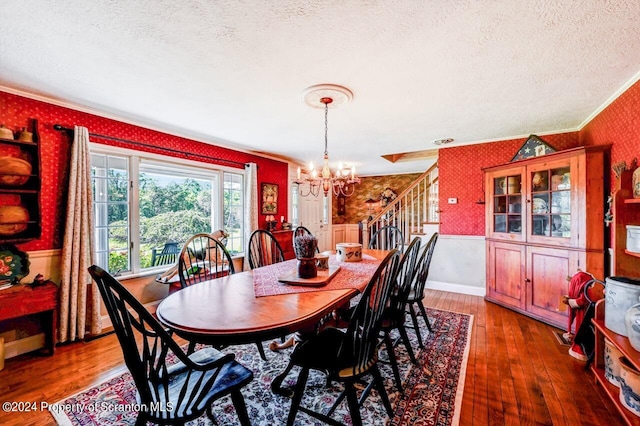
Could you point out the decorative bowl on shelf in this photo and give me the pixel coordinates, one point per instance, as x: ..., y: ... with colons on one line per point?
x: 5, y: 133
x: 13, y: 220
x: 14, y: 171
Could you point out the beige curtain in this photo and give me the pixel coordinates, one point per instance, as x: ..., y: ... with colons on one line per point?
x: 79, y: 300
x: 251, y: 205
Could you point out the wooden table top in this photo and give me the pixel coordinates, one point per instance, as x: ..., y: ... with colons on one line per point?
x: 226, y: 311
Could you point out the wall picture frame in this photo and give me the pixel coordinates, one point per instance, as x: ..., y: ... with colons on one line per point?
x: 269, y: 198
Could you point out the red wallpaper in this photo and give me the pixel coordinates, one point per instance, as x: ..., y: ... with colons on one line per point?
x: 461, y: 167
x: 460, y: 177
x: 619, y: 125
x: 15, y: 112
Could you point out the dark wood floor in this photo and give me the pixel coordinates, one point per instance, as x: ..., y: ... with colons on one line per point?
x: 517, y: 373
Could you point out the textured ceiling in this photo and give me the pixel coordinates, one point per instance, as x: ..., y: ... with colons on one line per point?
x: 232, y: 72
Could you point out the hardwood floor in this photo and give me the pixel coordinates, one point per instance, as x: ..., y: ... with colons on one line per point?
x: 517, y: 373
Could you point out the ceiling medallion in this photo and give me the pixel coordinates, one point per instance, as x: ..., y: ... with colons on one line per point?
x: 343, y: 181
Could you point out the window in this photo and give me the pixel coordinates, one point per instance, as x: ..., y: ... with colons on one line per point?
x: 234, y: 211
x: 146, y: 208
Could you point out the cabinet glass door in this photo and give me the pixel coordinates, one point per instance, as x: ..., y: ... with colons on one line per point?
x: 507, y: 204
x: 551, y: 202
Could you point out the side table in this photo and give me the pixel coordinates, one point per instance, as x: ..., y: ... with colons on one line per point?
x: 22, y: 300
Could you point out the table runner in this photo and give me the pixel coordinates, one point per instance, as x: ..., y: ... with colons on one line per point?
x: 350, y: 275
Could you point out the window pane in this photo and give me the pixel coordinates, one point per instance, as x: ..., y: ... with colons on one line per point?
x: 111, y: 206
x: 233, y: 211
x: 174, y: 205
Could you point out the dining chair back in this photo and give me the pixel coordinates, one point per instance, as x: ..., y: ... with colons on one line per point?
x: 172, y: 387
x: 417, y: 291
x: 387, y: 238
x: 301, y: 230
x: 264, y: 249
x: 347, y: 355
x: 203, y: 258
x: 394, y: 314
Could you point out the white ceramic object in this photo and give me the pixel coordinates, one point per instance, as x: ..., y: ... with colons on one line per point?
x: 632, y: 322
x: 612, y: 363
x: 629, y: 386
x: 633, y: 238
x: 620, y: 294
x: 349, y: 252
x: 322, y: 260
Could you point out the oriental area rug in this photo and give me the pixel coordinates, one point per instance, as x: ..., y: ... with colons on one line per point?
x: 432, y: 395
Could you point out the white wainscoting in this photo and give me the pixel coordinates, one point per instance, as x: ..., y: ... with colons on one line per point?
x: 45, y: 262
x: 459, y: 265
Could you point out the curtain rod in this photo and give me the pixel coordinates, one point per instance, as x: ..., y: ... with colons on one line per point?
x: 61, y: 128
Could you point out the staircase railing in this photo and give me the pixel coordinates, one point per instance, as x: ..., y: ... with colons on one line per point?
x: 415, y: 206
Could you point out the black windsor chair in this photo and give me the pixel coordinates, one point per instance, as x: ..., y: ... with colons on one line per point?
x: 169, y: 392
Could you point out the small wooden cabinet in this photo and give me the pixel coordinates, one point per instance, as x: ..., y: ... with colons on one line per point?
x: 285, y: 239
x: 544, y: 221
x: 22, y: 300
x: 18, y: 193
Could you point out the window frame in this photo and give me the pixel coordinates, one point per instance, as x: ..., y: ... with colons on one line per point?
x: 135, y: 159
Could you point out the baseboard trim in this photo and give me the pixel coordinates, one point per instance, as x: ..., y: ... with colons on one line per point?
x: 456, y: 288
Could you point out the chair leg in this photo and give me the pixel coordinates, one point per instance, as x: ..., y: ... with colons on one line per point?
x: 424, y: 314
x: 407, y: 343
x: 192, y: 348
x: 261, y: 350
x: 392, y: 360
x: 377, y: 378
x: 241, y: 408
x: 354, y: 407
x: 414, y: 319
x: 297, y: 395
x: 276, y: 383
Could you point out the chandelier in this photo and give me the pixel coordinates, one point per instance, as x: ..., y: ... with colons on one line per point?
x: 343, y: 180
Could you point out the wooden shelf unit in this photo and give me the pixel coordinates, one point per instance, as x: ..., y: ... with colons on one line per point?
x: 597, y: 367
x: 27, y: 194
x: 626, y: 211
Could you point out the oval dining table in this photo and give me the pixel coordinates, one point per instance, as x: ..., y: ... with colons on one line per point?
x: 225, y: 310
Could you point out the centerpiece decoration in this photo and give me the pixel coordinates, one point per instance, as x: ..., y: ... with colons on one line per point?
x: 305, y: 248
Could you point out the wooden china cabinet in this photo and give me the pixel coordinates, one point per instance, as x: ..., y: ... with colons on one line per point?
x: 544, y: 221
